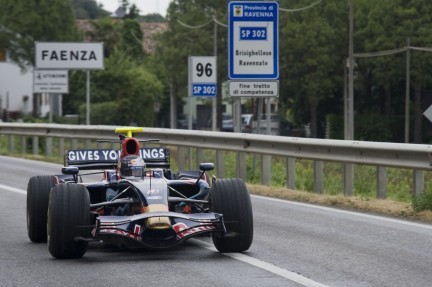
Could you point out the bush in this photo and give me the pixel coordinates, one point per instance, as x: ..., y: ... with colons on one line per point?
x: 423, y: 201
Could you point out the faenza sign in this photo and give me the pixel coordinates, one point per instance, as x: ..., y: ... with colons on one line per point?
x: 69, y: 55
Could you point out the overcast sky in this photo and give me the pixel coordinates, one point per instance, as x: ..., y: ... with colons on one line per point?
x: 145, y: 6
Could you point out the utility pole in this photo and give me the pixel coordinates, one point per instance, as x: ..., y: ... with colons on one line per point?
x: 350, y: 135
x: 349, y: 167
x: 407, y: 90
x: 214, y: 100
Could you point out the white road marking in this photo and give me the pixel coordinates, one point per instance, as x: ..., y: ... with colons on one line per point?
x: 292, y: 276
x: 13, y: 189
x: 335, y: 210
x: 239, y: 256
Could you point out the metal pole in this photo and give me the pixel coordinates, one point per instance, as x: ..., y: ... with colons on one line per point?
x: 88, y: 98
x: 173, y: 107
x: 237, y: 122
x: 7, y: 106
x: 50, y: 97
x: 345, y: 100
x: 268, y: 118
x: 348, y: 167
x: 190, y: 95
x: 214, y: 102
x: 351, y: 74
x: 407, y: 90
x: 259, y: 116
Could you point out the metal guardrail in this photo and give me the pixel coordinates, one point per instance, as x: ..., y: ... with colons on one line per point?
x: 417, y: 157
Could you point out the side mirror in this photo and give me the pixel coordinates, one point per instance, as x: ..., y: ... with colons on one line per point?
x: 206, y: 166
x: 70, y: 170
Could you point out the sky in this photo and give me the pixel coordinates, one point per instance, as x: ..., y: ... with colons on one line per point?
x: 145, y: 6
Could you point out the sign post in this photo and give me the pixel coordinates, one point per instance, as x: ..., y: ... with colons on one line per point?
x: 203, y: 76
x: 253, y: 51
x: 71, y: 56
x: 202, y: 79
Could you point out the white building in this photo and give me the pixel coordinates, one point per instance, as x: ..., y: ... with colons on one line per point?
x: 17, y: 98
x: 16, y: 89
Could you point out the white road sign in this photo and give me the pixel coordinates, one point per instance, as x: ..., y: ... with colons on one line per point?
x: 253, y: 46
x: 203, y: 76
x: 51, y: 81
x: 73, y: 55
x: 428, y: 113
x: 245, y: 89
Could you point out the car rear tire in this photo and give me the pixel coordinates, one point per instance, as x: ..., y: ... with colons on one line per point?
x: 68, y: 219
x: 38, y: 190
x: 231, y: 198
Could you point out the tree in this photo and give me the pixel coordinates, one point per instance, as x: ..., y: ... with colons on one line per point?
x: 189, y: 35
x: 88, y: 9
x: 125, y: 91
x: 152, y: 18
x: 311, y: 60
x: 24, y: 22
x: 388, y: 26
x: 132, y: 39
x: 108, y: 31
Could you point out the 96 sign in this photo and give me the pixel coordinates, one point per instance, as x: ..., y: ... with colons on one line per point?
x: 202, y: 76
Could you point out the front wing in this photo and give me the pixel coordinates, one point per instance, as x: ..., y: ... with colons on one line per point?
x: 183, y: 226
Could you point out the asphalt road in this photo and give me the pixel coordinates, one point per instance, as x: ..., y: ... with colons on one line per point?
x: 294, y: 245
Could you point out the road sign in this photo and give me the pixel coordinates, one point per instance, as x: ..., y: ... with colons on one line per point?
x: 203, y: 74
x: 245, y: 89
x: 73, y: 55
x: 428, y: 113
x: 253, y: 40
x: 51, y: 81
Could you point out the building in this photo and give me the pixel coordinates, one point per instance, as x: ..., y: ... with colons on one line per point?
x: 16, y: 91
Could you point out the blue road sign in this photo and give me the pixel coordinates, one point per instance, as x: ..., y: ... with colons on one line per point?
x: 253, y: 40
x: 204, y: 90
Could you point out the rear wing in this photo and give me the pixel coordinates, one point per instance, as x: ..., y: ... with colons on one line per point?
x: 87, y: 159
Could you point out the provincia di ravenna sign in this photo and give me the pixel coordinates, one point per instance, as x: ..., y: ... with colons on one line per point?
x: 253, y: 49
x: 253, y: 40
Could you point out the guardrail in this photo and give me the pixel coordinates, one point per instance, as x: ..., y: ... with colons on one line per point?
x: 417, y: 157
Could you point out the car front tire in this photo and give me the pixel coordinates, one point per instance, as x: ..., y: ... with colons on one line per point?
x: 38, y: 190
x: 231, y: 198
x: 68, y: 219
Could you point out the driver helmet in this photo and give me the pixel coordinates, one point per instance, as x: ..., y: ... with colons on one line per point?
x: 132, y: 167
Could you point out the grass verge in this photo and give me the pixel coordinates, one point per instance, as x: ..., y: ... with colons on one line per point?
x: 354, y: 203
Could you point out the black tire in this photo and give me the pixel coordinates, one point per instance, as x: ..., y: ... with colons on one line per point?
x: 68, y: 218
x: 38, y: 190
x: 231, y: 198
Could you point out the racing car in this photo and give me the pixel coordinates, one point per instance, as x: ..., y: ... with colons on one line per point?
x: 137, y: 202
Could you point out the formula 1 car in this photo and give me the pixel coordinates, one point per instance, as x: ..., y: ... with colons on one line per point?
x: 139, y: 202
